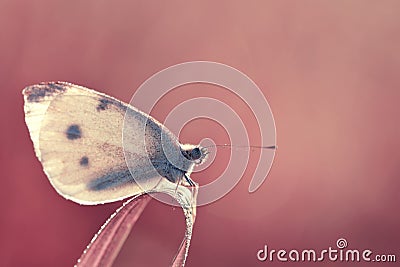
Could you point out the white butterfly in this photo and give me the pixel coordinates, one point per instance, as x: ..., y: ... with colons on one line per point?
x: 95, y: 148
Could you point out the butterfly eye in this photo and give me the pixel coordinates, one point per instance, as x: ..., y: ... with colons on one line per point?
x: 195, y: 153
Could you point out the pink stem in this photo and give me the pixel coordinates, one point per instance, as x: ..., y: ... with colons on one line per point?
x: 106, y: 244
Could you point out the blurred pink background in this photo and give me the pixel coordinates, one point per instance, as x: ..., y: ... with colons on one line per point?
x: 330, y: 72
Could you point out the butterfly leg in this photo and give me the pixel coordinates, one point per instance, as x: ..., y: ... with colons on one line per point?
x: 190, y: 181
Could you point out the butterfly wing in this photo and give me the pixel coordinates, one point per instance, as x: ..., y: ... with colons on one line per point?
x: 78, y: 137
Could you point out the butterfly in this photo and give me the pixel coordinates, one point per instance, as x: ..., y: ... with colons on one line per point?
x: 96, y: 149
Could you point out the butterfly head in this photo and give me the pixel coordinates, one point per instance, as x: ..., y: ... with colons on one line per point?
x: 197, y: 154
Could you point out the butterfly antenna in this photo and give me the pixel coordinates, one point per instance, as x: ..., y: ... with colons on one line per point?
x: 239, y: 146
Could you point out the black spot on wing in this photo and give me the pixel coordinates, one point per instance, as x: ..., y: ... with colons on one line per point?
x: 56, y: 86
x: 73, y: 132
x: 111, y: 180
x: 105, y: 103
x: 37, y: 93
x: 84, y: 161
